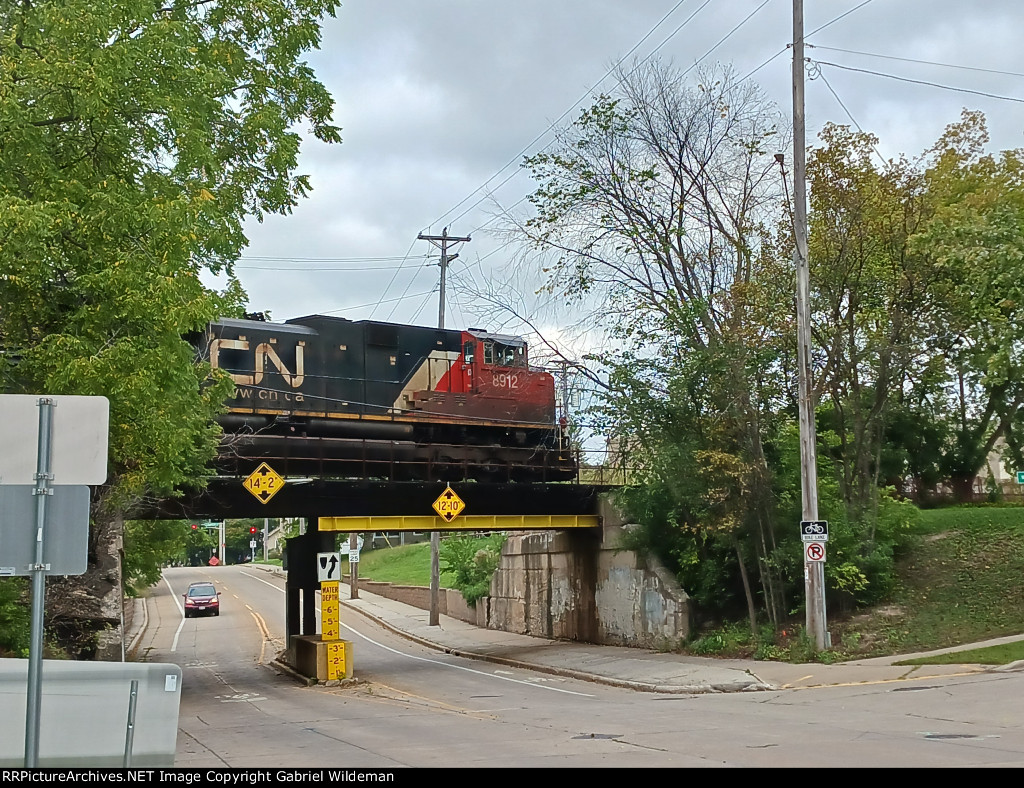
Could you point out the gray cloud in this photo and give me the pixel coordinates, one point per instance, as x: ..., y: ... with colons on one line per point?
x: 435, y: 96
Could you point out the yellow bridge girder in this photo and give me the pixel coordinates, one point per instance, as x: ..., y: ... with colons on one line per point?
x: 466, y: 522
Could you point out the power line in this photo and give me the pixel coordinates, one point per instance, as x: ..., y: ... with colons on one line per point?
x: 920, y: 82
x: 726, y: 37
x: 271, y: 258
x: 749, y: 74
x: 621, y: 60
x: 557, y: 120
x: 923, y: 62
x: 687, y: 71
x: 374, y: 304
x: 403, y: 296
x: 841, y: 16
x: 319, y: 268
x: 394, y: 276
x: 848, y: 113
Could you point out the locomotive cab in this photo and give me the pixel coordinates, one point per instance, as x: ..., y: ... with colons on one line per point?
x: 496, y: 369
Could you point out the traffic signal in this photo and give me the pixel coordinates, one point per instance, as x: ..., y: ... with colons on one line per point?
x: 195, y: 526
x: 252, y: 529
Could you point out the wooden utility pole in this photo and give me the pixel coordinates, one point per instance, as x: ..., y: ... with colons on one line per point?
x: 814, y: 571
x: 353, y: 565
x: 442, y: 242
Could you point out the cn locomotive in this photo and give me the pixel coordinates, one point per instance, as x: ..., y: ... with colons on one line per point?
x: 332, y: 397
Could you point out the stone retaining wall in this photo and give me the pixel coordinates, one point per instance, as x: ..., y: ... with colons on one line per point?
x: 572, y: 585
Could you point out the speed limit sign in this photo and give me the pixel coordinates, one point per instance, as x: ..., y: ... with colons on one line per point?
x: 814, y: 552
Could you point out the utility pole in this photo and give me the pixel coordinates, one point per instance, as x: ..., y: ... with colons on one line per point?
x: 442, y: 242
x: 353, y: 566
x: 814, y: 571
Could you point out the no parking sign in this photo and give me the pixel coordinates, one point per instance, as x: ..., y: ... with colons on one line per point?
x: 814, y: 552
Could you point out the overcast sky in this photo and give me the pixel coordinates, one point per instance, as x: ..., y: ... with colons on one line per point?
x: 439, y: 100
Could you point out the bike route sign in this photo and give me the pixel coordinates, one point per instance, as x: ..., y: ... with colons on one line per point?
x: 813, y: 531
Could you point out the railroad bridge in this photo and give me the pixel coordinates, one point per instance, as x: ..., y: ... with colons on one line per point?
x: 339, y: 506
x: 361, y: 426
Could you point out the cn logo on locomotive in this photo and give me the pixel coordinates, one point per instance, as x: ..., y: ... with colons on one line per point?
x: 264, y: 352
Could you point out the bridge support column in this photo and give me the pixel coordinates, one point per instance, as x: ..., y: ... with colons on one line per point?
x: 301, y: 575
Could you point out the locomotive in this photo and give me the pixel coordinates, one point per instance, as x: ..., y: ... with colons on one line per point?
x: 328, y: 396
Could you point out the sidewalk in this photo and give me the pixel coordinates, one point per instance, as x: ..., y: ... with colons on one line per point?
x: 639, y: 669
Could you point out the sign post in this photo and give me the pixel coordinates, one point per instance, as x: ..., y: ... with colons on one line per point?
x: 35, y: 686
x: 814, y: 535
x: 68, y: 450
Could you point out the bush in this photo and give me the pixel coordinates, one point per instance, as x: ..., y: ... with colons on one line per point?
x: 15, y: 617
x: 472, y: 562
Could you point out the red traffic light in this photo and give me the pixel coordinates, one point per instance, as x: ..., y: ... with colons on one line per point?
x: 252, y: 529
x: 194, y: 526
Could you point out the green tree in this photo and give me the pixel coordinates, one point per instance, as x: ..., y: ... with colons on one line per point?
x: 658, y: 204
x: 975, y: 242
x: 137, y: 137
x: 872, y: 317
x: 917, y: 268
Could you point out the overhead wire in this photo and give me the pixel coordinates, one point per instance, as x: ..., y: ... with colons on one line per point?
x: 610, y: 71
x: 318, y: 268
x: 553, y: 125
x: 921, y: 62
x: 749, y: 74
x: 849, y: 114
x: 384, y: 292
x: 271, y: 258
x: 372, y: 303
x: 920, y: 82
x: 668, y: 38
x: 557, y: 120
x: 403, y: 296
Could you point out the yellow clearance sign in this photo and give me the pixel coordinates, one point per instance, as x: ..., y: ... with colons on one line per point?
x: 264, y: 483
x: 449, y: 505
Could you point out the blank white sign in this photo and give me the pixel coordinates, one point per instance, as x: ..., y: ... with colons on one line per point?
x: 78, y: 447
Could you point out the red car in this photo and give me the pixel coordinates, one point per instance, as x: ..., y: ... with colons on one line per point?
x: 202, y: 598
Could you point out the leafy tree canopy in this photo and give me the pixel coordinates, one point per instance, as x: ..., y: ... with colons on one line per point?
x: 137, y: 136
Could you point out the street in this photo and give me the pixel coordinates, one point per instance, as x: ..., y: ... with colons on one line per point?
x: 417, y: 707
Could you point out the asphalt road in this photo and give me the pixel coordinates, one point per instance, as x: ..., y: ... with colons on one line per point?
x: 417, y: 707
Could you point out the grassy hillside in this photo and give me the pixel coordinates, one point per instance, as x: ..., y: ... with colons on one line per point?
x: 407, y: 565
x: 961, y: 579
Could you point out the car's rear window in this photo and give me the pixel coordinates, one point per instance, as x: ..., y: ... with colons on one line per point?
x: 202, y: 591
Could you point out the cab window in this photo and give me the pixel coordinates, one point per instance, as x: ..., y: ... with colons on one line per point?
x: 468, y: 351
